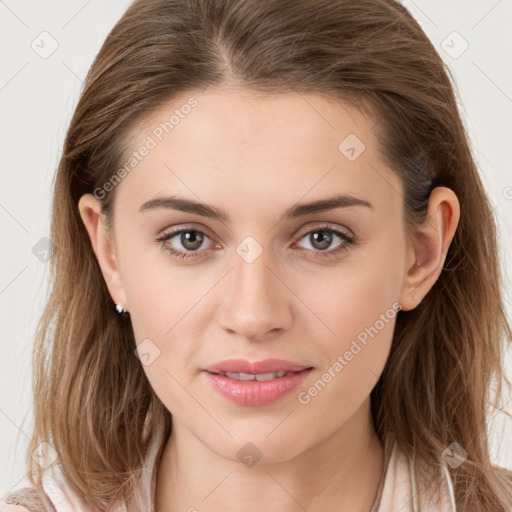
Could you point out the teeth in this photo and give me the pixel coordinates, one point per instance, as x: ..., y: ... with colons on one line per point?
x: 252, y: 376
x: 242, y: 376
x: 266, y: 376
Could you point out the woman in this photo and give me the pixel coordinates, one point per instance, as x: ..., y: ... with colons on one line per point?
x: 276, y: 280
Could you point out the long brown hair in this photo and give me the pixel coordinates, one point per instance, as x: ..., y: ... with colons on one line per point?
x: 92, y: 400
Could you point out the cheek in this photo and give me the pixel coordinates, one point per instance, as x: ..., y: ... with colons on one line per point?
x: 362, y: 317
x: 164, y: 301
x: 167, y: 311
x: 354, y: 316
x: 158, y: 291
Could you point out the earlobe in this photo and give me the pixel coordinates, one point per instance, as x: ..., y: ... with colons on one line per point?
x: 430, y: 246
x: 103, y: 246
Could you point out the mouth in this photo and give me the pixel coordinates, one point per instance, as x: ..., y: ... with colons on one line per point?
x: 256, y: 389
x: 261, y: 377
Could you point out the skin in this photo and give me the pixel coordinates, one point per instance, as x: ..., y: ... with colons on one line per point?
x: 255, y: 156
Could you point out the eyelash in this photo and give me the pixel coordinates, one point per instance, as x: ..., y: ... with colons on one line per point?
x: 348, y: 242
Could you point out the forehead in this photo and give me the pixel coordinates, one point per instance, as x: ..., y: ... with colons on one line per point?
x: 240, y: 119
x: 238, y: 146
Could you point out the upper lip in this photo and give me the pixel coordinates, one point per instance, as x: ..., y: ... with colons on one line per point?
x: 255, y: 367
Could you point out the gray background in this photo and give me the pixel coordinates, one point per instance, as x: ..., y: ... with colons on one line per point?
x: 39, y: 90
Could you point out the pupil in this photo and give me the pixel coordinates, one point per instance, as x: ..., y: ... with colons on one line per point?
x: 191, y: 240
x: 321, y: 239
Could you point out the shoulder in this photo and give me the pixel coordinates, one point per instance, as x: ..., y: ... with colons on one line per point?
x: 6, y: 507
x: 25, y: 499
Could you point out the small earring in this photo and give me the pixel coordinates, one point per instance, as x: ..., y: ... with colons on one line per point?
x: 120, y: 309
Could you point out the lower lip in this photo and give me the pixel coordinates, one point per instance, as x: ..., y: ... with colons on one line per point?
x: 253, y: 392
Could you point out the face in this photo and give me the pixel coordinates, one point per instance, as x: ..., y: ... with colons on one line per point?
x: 320, y: 287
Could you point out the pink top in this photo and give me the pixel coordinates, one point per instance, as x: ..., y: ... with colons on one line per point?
x: 396, y: 490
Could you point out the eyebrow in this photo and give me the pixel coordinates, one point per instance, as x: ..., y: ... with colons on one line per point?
x: 295, y: 211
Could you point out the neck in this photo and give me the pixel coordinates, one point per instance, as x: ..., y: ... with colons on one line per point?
x: 341, y: 472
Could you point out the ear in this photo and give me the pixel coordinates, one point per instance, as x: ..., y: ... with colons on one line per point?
x: 103, y: 245
x: 429, y: 246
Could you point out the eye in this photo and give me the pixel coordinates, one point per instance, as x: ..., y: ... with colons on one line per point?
x: 321, y: 237
x: 190, y: 240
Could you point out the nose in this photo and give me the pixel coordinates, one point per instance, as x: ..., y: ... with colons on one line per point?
x: 256, y: 300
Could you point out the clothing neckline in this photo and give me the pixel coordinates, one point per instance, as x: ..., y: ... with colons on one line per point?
x: 376, y: 503
x: 398, y: 486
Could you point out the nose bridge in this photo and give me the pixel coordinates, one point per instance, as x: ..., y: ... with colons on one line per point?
x: 254, y: 297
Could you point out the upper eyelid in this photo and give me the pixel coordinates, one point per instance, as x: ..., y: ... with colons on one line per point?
x: 175, y: 231
x: 326, y: 226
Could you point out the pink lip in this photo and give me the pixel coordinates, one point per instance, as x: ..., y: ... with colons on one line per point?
x: 256, y: 392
